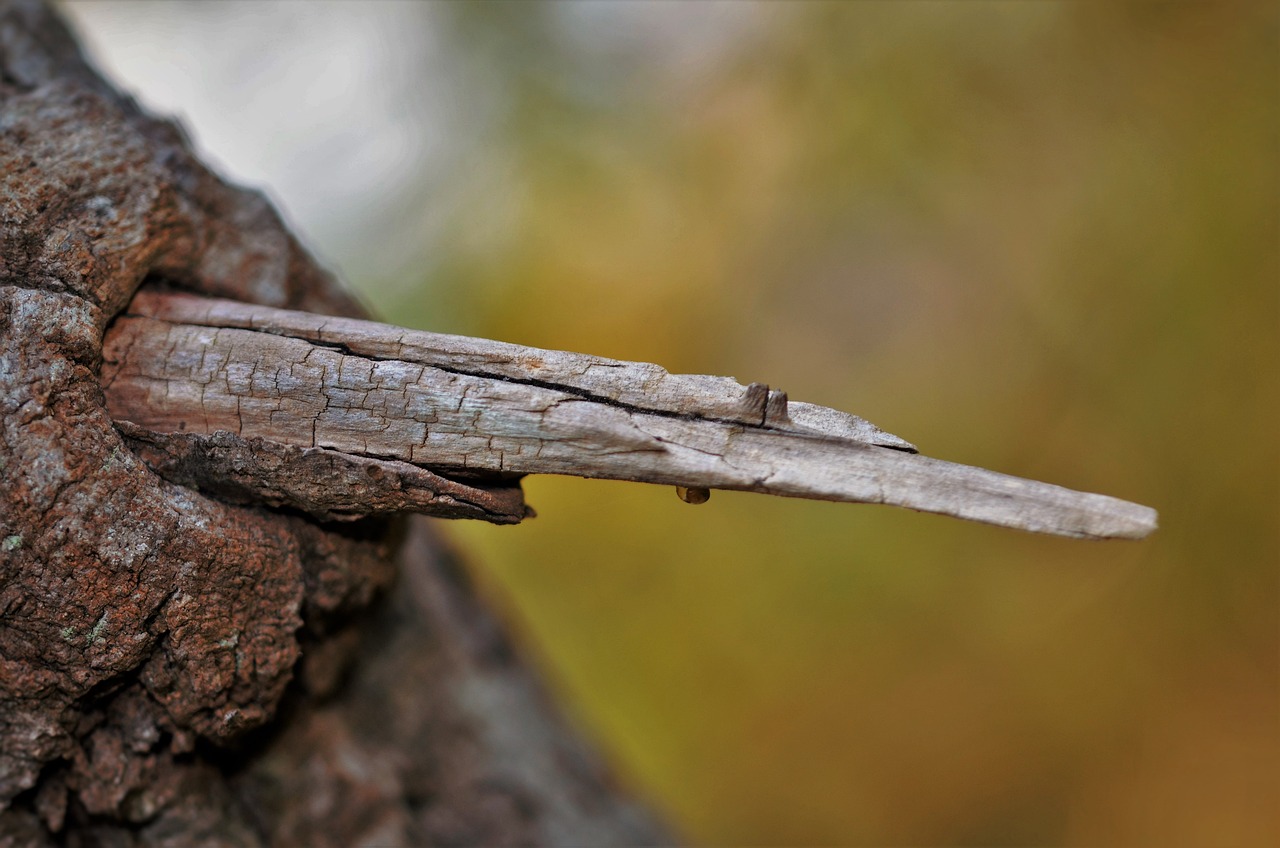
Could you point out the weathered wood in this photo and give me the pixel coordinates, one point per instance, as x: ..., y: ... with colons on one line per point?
x: 635, y: 385
x: 176, y: 363
x: 328, y: 485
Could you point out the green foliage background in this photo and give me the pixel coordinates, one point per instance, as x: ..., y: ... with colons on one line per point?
x: 1040, y: 238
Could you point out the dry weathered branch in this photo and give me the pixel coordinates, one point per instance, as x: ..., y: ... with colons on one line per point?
x: 180, y: 364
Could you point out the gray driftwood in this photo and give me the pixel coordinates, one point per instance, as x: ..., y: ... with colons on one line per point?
x: 357, y: 411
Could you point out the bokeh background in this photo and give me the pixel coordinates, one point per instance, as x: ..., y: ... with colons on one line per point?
x: 1038, y: 237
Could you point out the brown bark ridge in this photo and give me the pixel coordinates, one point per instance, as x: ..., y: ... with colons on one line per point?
x: 179, y: 669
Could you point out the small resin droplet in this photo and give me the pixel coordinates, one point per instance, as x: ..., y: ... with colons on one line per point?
x: 693, y: 495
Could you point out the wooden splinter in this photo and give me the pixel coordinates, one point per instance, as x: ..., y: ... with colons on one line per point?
x: 482, y: 413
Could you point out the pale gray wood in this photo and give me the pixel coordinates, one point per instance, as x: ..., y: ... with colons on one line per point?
x: 637, y: 385
x: 178, y: 363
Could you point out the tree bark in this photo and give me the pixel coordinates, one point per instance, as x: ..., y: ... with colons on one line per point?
x: 177, y: 669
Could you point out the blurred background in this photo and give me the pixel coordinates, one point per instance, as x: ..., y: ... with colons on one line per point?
x: 1037, y: 237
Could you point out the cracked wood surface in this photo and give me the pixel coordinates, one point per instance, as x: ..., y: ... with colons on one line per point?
x: 193, y: 367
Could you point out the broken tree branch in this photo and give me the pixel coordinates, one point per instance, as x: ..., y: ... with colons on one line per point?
x: 186, y: 365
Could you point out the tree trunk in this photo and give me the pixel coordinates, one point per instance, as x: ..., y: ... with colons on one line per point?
x: 180, y: 670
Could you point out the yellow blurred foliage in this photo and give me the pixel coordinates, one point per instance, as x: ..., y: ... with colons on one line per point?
x: 1038, y: 237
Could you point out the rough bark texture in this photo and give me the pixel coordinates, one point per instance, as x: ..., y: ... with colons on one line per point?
x: 181, y: 670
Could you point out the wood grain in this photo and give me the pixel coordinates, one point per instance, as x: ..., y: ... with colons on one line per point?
x: 177, y: 363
